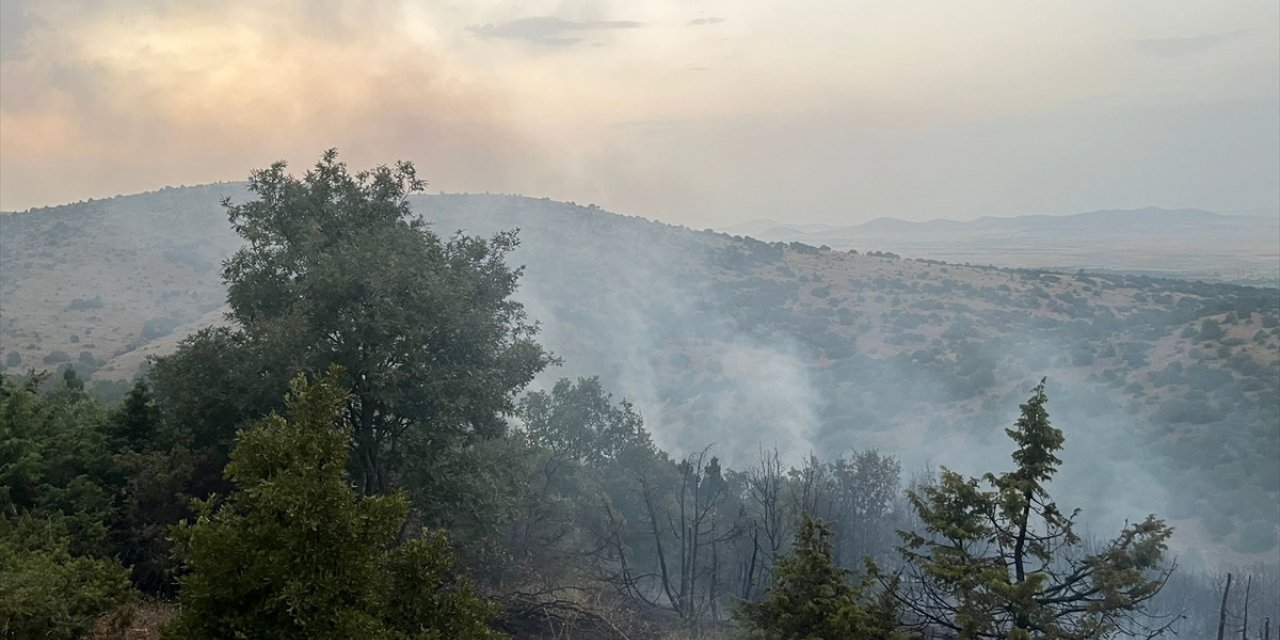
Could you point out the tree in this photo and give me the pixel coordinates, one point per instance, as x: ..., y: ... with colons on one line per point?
x: 336, y: 269
x: 574, y: 438
x: 133, y: 425
x: 1005, y: 562
x: 56, y: 463
x: 293, y: 551
x: 57, y: 488
x: 580, y: 421
x: 811, y: 597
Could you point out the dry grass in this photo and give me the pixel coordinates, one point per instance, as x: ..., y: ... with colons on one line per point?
x: 140, y: 621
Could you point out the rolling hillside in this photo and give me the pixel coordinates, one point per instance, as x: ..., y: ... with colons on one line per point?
x: 1166, y: 387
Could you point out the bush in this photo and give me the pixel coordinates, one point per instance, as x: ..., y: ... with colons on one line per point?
x: 13, y: 359
x: 46, y: 591
x: 1210, y: 330
x: 57, y: 357
x: 80, y: 304
x: 157, y: 328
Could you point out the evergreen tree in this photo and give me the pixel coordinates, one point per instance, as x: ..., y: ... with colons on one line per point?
x: 812, y: 598
x: 1005, y: 562
x: 134, y: 423
x: 295, y: 552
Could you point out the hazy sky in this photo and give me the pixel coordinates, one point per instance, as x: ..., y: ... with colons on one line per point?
x: 697, y: 112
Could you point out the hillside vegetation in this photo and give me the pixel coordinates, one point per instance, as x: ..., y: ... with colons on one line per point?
x: 741, y: 344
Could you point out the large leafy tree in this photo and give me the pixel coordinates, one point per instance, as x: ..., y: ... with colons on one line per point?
x: 580, y: 421
x: 997, y: 558
x: 295, y: 552
x: 812, y: 598
x: 336, y: 269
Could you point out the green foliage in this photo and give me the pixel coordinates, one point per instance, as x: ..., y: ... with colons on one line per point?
x: 427, y: 599
x: 812, y: 598
x: 542, y: 495
x: 580, y: 420
x: 58, y: 494
x: 46, y: 591
x: 56, y: 462
x: 156, y: 474
x: 337, y: 270
x: 108, y: 478
x: 294, y: 552
x: 1005, y: 562
x: 212, y: 384
x: 134, y: 424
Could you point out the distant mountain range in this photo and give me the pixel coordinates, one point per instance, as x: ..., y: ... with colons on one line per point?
x: 1184, y: 243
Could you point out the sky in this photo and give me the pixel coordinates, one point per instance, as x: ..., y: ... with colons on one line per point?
x: 697, y: 112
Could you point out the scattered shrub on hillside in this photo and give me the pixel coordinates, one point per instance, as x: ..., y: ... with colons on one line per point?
x: 57, y: 357
x: 80, y: 304
x: 1210, y: 330
x: 157, y: 328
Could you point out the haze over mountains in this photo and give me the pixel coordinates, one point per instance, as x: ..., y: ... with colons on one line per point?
x: 1182, y: 243
x: 742, y: 344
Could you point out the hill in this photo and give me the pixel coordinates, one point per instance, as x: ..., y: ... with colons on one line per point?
x: 741, y: 344
x: 1182, y: 243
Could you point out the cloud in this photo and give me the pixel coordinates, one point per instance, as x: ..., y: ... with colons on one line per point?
x: 176, y: 93
x: 13, y: 26
x: 698, y: 22
x: 1171, y: 47
x: 548, y: 30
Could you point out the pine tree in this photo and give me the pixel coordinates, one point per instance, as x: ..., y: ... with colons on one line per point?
x: 1003, y: 561
x: 812, y: 598
x: 134, y: 423
x: 295, y: 552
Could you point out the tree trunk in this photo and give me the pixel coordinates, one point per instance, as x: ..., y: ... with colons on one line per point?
x: 749, y: 584
x: 1244, y: 628
x: 1222, y: 612
x: 662, y: 557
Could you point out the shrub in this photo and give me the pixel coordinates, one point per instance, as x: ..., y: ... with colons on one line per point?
x: 1210, y: 330
x: 157, y: 328
x: 45, y: 591
x: 57, y: 357
x: 80, y: 304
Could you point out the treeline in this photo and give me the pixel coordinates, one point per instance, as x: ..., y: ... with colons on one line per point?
x: 355, y: 456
